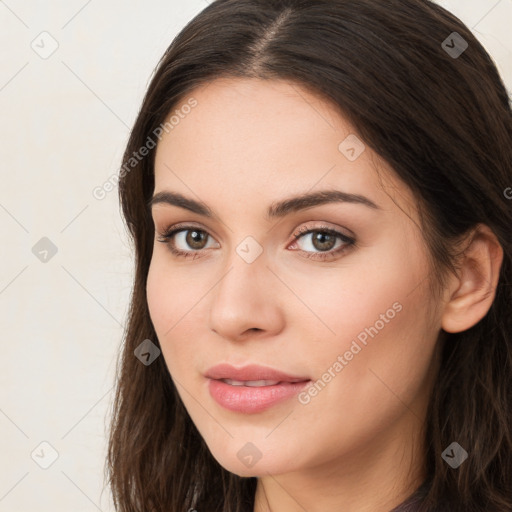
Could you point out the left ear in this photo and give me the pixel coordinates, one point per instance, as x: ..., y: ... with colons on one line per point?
x: 472, y: 291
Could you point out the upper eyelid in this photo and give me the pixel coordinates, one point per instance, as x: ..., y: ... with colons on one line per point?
x: 344, y: 230
x: 295, y: 233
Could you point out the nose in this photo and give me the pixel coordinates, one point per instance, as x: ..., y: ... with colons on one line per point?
x: 247, y: 300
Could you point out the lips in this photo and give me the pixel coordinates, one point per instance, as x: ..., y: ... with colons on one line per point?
x: 250, y: 383
x: 253, y: 388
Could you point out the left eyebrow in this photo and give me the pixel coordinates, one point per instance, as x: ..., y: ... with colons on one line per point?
x: 308, y: 200
x: 275, y: 210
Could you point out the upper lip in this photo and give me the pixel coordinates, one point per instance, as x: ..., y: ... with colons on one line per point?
x: 251, y: 372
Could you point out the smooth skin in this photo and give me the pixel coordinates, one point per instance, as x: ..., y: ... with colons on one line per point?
x: 358, y: 443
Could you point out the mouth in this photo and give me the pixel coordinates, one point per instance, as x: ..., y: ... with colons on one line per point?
x: 252, y: 389
x: 255, y: 383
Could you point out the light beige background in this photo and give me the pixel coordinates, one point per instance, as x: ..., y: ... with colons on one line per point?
x: 65, y: 121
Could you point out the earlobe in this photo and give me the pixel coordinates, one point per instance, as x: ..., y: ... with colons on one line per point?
x: 474, y: 289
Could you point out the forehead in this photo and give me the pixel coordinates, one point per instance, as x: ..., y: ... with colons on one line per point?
x: 267, y: 138
x: 238, y: 118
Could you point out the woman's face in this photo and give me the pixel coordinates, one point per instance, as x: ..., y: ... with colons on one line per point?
x: 348, y: 317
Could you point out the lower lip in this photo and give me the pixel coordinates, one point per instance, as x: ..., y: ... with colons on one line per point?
x: 249, y: 400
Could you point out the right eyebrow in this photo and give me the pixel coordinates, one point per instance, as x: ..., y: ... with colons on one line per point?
x: 177, y: 199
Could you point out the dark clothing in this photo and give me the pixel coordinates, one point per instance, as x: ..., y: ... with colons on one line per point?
x: 411, y: 504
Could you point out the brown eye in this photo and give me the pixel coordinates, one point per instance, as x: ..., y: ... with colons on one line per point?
x: 322, y: 243
x: 186, y: 241
x: 196, y: 238
x: 321, y: 239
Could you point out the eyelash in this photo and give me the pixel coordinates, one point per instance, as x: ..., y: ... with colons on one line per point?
x: 169, y: 233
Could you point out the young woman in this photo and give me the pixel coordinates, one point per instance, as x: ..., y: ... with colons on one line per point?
x: 319, y: 196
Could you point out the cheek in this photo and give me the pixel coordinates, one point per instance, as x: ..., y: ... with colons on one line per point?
x: 367, y: 291
x: 379, y: 356
x: 174, y: 306
x: 378, y: 293
x: 383, y: 380
x: 170, y: 293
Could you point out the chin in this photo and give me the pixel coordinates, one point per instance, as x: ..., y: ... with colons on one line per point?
x: 248, y: 461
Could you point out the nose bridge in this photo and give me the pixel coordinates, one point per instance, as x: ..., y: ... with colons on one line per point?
x: 242, y: 298
x: 243, y: 281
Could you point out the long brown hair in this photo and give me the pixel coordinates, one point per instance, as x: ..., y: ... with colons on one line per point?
x: 438, y: 112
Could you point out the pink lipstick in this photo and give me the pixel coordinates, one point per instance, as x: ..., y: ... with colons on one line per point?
x: 252, y: 389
